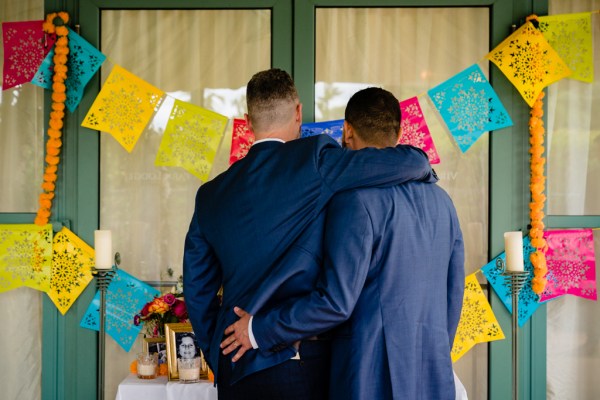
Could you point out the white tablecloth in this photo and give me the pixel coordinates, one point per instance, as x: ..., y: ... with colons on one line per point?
x: 132, y: 388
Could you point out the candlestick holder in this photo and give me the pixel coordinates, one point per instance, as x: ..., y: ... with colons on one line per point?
x: 515, y: 280
x: 103, y: 277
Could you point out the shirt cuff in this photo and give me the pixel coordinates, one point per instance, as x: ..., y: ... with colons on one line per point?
x: 251, y: 335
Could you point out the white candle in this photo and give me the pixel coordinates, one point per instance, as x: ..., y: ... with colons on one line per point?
x: 513, y: 246
x: 146, y: 369
x: 103, y: 249
x: 189, y: 374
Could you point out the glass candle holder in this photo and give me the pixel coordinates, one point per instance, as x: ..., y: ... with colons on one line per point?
x: 189, y: 369
x: 147, y: 365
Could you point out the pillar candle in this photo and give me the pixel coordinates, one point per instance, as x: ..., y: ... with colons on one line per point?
x: 513, y: 246
x: 103, y: 248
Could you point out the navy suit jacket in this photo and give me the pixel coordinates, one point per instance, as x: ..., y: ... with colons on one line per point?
x: 248, y: 217
x: 393, y: 265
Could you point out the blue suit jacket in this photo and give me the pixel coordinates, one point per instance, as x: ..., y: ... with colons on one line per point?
x: 247, y: 218
x: 394, y: 265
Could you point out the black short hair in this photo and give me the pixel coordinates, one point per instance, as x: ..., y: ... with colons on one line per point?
x: 374, y: 113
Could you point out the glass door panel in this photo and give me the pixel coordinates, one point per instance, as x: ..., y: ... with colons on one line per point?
x: 202, y: 57
x: 408, y: 51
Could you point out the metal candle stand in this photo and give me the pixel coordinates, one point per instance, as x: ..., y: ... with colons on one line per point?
x: 103, y: 277
x: 515, y: 280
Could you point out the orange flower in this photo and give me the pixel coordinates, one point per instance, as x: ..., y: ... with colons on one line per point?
x: 48, y: 186
x: 45, y: 203
x: 58, y: 106
x: 133, y: 367
x: 40, y: 221
x: 59, y: 97
x: 56, y: 124
x: 163, y: 369
x: 59, y: 86
x: 62, y: 31
x: 54, y: 142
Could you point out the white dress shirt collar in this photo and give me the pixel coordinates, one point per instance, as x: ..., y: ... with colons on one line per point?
x: 268, y: 140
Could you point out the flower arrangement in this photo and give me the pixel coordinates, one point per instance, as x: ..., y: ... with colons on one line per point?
x: 56, y: 23
x: 162, y: 310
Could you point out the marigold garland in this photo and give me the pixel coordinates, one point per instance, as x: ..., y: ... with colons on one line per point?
x: 537, y: 186
x: 56, y: 23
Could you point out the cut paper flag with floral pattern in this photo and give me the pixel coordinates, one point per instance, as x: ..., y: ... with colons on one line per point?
x: 529, y: 62
x: 528, y: 300
x: 191, y: 139
x: 415, y: 130
x: 83, y: 62
x: 25, y: 47
x: 72, y: 262
x: 125, y: 297
x: 469, y: 106
x: 25, y: 256
x: 123, y: 107
x: 331, y: 128
x: 571, y: 262
x: 241, y: 140
x: 477, y: 324
x: 571, y: 36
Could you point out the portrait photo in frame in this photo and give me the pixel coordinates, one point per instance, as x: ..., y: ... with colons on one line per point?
x: 181, y: 343
x: 156, y: 345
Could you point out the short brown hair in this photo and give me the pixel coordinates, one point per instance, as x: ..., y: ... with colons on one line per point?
x: 265, y: 93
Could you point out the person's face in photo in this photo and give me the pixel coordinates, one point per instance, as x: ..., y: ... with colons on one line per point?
x: 187, y: 348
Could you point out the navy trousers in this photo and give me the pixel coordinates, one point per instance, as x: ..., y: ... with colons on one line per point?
x: 303, y: 379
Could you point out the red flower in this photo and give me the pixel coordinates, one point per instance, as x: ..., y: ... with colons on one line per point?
x: 136, y: 320
x: 169, y: 298
x: 144, y: 311
x: 179, y: 309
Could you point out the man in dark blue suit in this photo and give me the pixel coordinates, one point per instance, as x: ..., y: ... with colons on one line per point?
x: 393, y: 277
x: 249, y: 217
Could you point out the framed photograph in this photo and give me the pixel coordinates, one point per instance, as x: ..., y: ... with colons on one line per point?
x: 156, y: 345
x: 181, y: 343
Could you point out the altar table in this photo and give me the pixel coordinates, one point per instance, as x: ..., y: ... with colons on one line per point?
x: 132, y: 388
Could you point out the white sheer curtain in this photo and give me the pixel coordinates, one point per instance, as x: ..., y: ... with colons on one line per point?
x: 202, y: 57
x: 21, y: 163
x: 574, y: 131
x: 573, y: 327
x: 408, y: 51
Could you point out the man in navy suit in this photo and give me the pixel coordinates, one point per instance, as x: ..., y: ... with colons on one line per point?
x: 249, y: 217
x: 393, y: 276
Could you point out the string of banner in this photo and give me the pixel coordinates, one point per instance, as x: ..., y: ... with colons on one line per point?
x: 61, y: 263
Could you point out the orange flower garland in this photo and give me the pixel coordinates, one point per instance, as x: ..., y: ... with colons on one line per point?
x: 55, y: 23
x: 537, y: 186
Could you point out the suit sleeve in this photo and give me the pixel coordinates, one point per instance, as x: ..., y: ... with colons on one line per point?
x: 344, y: 169
x: 201, y: 281
x: 456, y: 281
x: 346, y: 264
